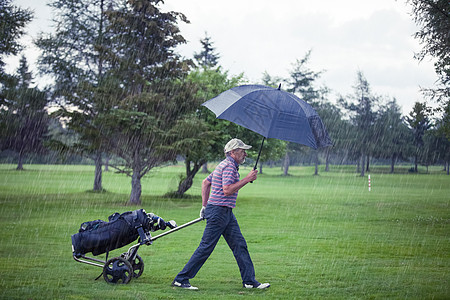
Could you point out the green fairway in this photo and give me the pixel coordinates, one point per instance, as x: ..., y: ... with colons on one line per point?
x: 311, y: 237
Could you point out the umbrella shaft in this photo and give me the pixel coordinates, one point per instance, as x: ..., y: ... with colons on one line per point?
x: 259, y: 154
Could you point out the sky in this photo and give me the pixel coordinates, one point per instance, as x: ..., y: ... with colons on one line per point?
x: 257, y: 36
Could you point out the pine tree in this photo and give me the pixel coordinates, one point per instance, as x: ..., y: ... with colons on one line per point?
x: 207, y: 58
x: 13, y: 20
x: 419, y: 122
x: 23, y: 117
x: 151, y: 77
x: 74, y: 57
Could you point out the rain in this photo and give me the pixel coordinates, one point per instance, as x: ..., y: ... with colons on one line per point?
x: 108, y: 118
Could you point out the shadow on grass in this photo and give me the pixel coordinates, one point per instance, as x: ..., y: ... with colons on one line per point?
x: 102, y: 191
x: 175, y: 195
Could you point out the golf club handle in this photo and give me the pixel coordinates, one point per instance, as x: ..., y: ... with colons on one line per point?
x: 177, y: 228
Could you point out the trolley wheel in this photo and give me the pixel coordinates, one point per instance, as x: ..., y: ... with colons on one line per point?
x: 138, y: 266
x: 118, y: 270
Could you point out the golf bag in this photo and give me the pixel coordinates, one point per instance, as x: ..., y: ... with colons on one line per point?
x: 100, y: 237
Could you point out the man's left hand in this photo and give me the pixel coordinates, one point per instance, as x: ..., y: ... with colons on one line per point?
x: 202, y: 212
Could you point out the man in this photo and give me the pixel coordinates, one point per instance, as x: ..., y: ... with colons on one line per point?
x: 217, y: 209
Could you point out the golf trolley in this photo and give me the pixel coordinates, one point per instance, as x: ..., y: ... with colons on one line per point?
x: 101, y: 237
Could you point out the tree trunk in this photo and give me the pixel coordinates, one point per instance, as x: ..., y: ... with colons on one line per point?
x: 190, y: 174
x: 106, y: 164
x: 205, y: 168
x: 20, y: 162
x: 368, y: 164
x: 316, y: 163
x: 393, y: 159
x: 98, y: 172
x: 327, y: 159
x: 286, y: 164
x: 448, y: 167
x: 185, y: 185
x: 136, y: 188
x: 415, y: 163
x: 362, y: 164
x: 260, y: 168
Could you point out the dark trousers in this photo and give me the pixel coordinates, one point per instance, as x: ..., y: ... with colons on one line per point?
x: 220, y: 221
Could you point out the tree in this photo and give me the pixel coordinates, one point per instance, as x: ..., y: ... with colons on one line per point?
x: 442, y: 133
x: 152, y: 79
x: 272, y: 151
x: 333, y: 122
x: 433, y: 19
x: 193, y: 141
x: 23, y: 117
x: 12, y: 23
x: 419, y: 122
x: 207, y: 58
x: 444, y: 122
x: 395, y: 135
x: 201, y: 135
x: 363, y: 116
x: 301, y: 82
x: 268, y: 80
x: 75, y: 57
x: 345, y: 141
x: 430, y: 153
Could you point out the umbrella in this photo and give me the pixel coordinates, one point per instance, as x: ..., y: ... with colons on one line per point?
x: 272, y: 113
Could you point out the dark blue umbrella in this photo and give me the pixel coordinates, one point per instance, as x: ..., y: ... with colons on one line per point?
x: 272, y: 113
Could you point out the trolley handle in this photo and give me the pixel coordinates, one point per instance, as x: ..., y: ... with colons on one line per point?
x: 177, y: 228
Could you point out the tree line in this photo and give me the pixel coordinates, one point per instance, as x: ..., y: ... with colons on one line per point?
x: 123, y: 95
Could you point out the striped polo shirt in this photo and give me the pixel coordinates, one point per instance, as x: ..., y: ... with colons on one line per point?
x: 226, y: 173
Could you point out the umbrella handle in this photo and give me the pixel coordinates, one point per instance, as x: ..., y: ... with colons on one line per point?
x: 259, y: 154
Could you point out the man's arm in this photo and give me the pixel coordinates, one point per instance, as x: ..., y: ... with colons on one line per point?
x: 206, y: 189
x: 229, y: 190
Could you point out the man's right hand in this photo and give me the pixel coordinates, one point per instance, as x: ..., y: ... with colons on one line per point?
x: 229, y: 190
x: 252, y: 176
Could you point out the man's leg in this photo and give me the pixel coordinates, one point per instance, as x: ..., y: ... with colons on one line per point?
x: 238, y: 245
x: 216, y: 222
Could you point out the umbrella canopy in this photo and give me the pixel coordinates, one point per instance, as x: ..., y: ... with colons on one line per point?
x: 272, y: 113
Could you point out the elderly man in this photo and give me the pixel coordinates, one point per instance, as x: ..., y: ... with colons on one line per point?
x: 219, y: 193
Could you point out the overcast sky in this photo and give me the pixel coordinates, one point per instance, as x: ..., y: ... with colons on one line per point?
x: 253, y: 36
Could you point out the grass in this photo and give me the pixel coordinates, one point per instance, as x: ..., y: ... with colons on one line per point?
x: 311, y: 237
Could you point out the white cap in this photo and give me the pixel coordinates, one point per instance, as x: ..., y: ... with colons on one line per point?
x: 235, y: 144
